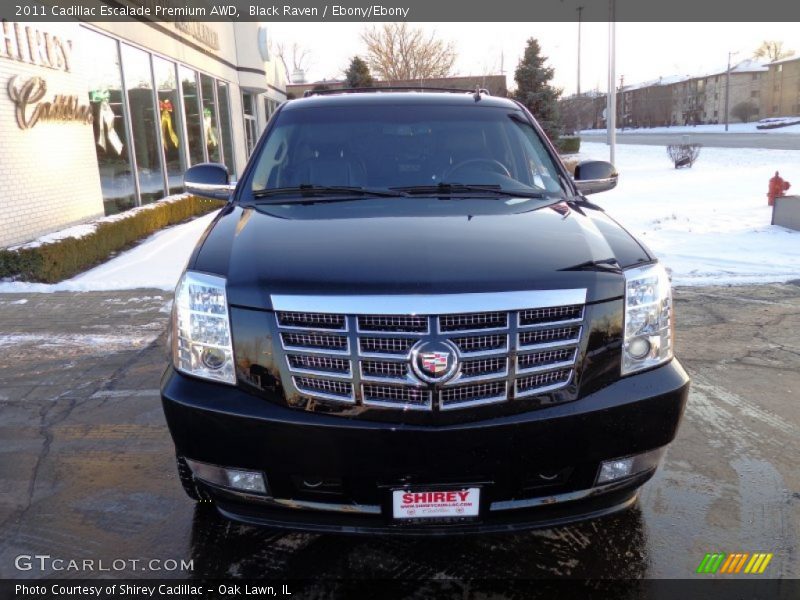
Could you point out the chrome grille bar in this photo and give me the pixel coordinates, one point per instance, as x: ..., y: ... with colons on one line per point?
x: 344, y: 353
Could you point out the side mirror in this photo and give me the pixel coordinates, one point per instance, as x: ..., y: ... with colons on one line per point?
x: 208, y: 180
x: 594, y: 176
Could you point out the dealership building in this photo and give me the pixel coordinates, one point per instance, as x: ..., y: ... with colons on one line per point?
x: 97, y: 118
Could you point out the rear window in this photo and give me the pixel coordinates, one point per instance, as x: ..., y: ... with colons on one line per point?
x: 403, y: 145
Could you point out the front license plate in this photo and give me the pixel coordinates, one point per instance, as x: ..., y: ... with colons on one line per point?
x: 433, y: 504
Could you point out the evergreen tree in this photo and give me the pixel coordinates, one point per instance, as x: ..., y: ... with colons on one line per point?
x: 358, y: 75
x: 534, y: 89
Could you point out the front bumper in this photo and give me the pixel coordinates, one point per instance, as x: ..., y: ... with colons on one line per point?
x: 507, y: 457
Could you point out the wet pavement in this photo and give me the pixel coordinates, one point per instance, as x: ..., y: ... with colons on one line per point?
x: 87, y: 471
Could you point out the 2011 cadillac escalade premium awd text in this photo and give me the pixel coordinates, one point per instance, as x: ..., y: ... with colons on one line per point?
x: 409, y: 319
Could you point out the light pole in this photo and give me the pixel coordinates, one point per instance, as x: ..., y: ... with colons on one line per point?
x: 611, y: 100
x: 728, y: 87
x: 580, y: 10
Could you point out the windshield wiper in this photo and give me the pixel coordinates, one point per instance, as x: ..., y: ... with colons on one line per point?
x: 455, y: 189
x: 317, y: 193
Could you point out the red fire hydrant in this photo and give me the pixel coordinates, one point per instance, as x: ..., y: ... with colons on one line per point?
x: 777, y: 188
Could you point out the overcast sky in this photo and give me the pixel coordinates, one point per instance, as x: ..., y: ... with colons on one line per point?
x: 644, y: 50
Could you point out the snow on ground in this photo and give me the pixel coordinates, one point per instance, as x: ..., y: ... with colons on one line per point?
x: 689, y: 129
x: 709, y: 224
x: 155, y: 263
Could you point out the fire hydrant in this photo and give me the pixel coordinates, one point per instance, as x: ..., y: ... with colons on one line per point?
x: 777, y: 188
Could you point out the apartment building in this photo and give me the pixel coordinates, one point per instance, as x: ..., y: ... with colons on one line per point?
x: 771, y: 90
x: 780, y: 88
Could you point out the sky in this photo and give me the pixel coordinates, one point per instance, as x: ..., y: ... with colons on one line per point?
x: 644, y: 50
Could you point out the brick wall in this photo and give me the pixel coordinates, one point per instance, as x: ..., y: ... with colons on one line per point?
x: 48, y: 173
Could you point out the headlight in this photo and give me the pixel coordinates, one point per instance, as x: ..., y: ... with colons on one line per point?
x: 201, y: 335
x: 648, y: 318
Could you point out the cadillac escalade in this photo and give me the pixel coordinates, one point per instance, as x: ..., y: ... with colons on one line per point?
x: 409, y: 319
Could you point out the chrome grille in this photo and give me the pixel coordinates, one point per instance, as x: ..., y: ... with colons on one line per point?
x: 383, y: 369
x: 341, y: 391
x: 364, y: 358
x: 536, y: 384
x: 553, y: 314
x: 325, y: 364
x: 312, y: 320
x: 370, y: 345
x: 481, y: 343
x: 315, y: 341
x: 555, y: 336
x: 484, y: 366
x: 471, y: 395
x: 474, y: 321
x: 538, y: 361
x: 402, y: 323
x: 396, y: 397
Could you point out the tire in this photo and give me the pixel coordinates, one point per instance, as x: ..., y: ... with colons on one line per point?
x: 191, y: 488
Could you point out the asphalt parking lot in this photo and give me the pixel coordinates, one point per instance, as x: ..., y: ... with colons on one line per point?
x: 87, y: 471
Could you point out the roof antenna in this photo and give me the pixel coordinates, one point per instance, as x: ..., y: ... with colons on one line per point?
x: 477, y: 93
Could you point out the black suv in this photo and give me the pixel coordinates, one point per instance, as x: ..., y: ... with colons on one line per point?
x: 409, y: 319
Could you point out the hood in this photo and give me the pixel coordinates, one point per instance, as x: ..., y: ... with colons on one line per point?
x: 384, y: 248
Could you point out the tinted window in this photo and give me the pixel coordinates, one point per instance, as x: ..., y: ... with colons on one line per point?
x: 404, y: 145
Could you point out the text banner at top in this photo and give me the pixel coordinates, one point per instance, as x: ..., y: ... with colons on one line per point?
x: 403, y: 10
x: 677, y: 11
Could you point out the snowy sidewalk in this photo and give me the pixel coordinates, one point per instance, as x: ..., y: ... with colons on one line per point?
x: 689, y: 129
x: 157, y: 262
x: 709, y: 224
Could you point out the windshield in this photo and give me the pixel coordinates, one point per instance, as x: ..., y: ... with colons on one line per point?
x: 404, y: 146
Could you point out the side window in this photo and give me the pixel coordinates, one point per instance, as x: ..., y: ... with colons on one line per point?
x: 272, y: 161
x: 536, y: 160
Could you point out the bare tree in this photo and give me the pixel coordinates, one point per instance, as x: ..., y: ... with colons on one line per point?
x: 293, y: 58
x: 772, y: 50
x: 398, y: 51
x: 744, y: 111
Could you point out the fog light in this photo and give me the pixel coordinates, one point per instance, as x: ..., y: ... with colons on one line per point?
x: 247, y: 481
x: 611, y: 470
x: 620, y: 468
x: 238, y: 479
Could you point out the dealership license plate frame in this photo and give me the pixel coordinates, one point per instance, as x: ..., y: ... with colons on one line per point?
x: 476, y: 492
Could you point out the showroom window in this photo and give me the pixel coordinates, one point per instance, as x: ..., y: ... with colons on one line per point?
x: 170, y: 122
x: 223, y: 96
x: 109, y: 124
x: 191, y: 105
x: 152, y: 118
x: 250, y: 129
x: 144, y: 129
x: 210, y: 119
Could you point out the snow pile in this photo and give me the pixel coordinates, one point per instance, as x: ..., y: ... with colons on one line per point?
x: 778, y: 122
x: 155, y: 263
x: 709, y: 224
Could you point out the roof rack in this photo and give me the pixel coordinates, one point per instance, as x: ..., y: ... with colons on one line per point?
x: 397, y: 88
